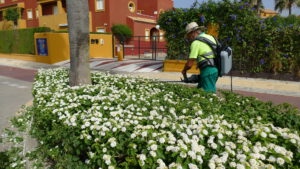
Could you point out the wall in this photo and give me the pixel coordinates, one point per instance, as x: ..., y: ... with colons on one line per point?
x: 53, y: 21
x: 98, y: 18
x: 58, y: 47
x: 34, y: 22
x: 165, y: 5
x: 148, y: 7
x: 118, y: 7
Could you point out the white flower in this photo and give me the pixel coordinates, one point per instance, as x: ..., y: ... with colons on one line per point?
x: 183, y: 154
x: 132, y: 136
x: 253, y: 162
x: 214, y: 146
x: 192, y: 154
x: 272, y: 159
x: 199, y: 112
x: 153, y: 147
x: 293, y: 141
x: 192, y: 166
x: 153, y: 154
x: 162, y: 140
x: 113, y: 144
x: 13, y: 165
x: 280, y: 161
x: 142, y: 157
x: 211, y: 165
x: 144, y: 134
x: 205, y: 132
x: 107, y: 158
x: 272, y: 136
x: 246, y: 148
x: 240, y: 166
x: 91, y: 154
x: 263, y: 134
x: 123, y: 129
x: 232, y: 164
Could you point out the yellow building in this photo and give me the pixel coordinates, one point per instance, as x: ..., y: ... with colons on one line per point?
x: 265, y: 13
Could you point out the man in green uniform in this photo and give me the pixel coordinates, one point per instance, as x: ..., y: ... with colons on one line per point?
x: 208, y: 73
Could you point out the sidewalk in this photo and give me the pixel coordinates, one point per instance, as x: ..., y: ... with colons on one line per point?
x: 151, y: 69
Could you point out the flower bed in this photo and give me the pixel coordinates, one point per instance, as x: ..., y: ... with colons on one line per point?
x: 122, y: 122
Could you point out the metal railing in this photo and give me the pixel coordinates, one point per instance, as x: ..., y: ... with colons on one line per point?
x: 145, y: 47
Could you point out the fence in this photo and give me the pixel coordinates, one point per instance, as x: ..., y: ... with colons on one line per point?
x: 145, y: 47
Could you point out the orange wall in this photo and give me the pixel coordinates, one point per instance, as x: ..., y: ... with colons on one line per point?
x: 58, y: 47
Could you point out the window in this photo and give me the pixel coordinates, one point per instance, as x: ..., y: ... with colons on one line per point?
x: 161, y: 36
x: 99, y: 5
x: 1, y: 16
x: 102, y: 30
x: 37, y: 12
x: 55, y: 10
x: 131, y: 6
x: 147, y: 34
x: 29, y: 14
x: 2, y: 1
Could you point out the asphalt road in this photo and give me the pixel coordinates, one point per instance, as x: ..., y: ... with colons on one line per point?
x: 13, y: 94
x: 15, y: 91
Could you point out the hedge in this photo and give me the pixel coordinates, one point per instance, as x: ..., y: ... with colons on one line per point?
x: 19, y: 41
x: 260, y: 45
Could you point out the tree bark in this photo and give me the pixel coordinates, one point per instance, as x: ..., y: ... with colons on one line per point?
x: 78, y: 24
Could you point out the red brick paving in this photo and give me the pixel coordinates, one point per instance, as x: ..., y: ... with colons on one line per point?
x: 277, y: 99
x: 18, y: 73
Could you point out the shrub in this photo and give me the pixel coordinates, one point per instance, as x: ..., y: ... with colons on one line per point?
x: 12, y: 14
x: 19, y: 41
x: 122, y: 32
x: 123, y: 122
x: 260, y: 45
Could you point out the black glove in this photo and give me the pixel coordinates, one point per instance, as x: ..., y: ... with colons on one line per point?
x: 185, y: 80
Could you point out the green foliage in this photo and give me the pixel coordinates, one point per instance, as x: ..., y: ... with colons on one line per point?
x: 12, y: 14
x: 260, y: 45
x: 19, y: 41
x: 4, y: 160
x: 121, y: 31
x: 65, y: 119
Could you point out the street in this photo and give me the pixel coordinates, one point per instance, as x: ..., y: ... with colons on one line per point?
x: 15, y: 91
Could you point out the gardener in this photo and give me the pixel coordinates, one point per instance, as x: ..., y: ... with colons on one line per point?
x: 208, y: 72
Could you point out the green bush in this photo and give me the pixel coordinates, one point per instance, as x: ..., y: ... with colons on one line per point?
x: 122, y: 32
x: 123, y: 122
x: 12, y: 14
x: 260, y: 45
x: 19, y: 41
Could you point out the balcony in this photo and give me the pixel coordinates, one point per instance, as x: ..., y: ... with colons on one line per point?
x: 55, y: 22
x: 8, y: 25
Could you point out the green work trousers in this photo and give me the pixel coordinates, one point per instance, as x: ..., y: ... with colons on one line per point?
x: 208, y: 79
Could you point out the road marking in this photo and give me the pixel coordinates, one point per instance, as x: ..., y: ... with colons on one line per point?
x: 14, y: 85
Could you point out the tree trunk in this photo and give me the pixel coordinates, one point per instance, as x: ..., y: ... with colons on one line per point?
x: 78, y: 23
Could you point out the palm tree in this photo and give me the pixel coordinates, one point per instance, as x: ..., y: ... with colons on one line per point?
x: 78, y: 23
x: 286, y: 4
